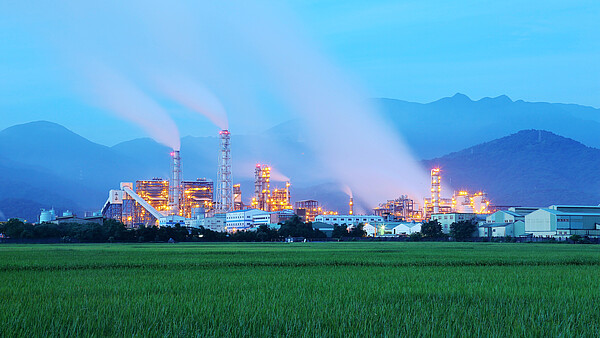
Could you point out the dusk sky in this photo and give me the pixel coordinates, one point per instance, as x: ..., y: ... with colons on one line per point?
x: 52, y: 55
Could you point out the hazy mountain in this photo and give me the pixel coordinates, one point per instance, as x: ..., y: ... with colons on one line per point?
x: 43, y: 164
x: 531, y: 167
x: 454, y: 123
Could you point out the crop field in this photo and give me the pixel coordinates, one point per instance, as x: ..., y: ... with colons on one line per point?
x: 300, y: 289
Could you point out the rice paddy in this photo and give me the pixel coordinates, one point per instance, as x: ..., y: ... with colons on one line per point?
x: 300, y: 289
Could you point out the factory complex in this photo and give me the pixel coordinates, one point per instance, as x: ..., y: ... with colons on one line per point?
x: 219, y: 206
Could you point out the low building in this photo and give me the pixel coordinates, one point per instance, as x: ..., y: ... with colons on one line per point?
x: 216, y: 223
x: 551, y: 222
x: 349, y: 219
x: 171, y: 220
x: 449, y: 218
x: 69, y: 217
x: 242, y: 220
x: 523, y: 210
x: 406, y: 228
x: 370, y: 230
x: 326, y: 228
x: 502, y: 229
x: 504, y: 216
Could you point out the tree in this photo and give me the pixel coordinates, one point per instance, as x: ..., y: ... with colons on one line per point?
x: 432, y: 229
x: 415, y: 237
x: 463, y: 229
x: 294, y: 227
x: 339, y: 231
x: 357, y: 231
x: 265, y: 233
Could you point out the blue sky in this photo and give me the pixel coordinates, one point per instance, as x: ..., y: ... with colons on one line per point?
x: 410, y: 50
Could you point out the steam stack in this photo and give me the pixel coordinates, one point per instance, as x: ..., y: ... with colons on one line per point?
x: 436, y: 189
x: 175, y: 184
x: 224, y: 198
x: 351, y: 206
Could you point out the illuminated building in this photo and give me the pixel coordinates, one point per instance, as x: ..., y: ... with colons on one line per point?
x: 262, y: 187
x: 196, y: 194
x: 308, y: 210
x: 465, y: 202
x: 402, y: 208
x: 281, y: 199
x: 156, y: 193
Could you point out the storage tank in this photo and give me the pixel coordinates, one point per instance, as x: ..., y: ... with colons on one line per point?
x: 47, y: 215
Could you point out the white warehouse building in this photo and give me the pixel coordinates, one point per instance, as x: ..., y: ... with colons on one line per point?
x: 562, y: 222
x: 242, y: 219
x: 349, y: 219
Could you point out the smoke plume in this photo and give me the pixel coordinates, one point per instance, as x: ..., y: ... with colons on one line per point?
x: 119, y: 95
x: 195, y: 97
x: 278, y: 176
x: 347, y: 190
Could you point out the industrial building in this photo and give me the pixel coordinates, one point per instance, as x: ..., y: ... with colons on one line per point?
x: 502, y: 229
x: 308, y: 210
x: 242, y: 220
x: 563, y: 221
x: 406, y: 228
x: 401, y: 209
x: 265, y: 199
x: 461, y: 202
x: 167, y: 202
x: 196, y: 194
x: 349, y: 219
x: 447, y: 219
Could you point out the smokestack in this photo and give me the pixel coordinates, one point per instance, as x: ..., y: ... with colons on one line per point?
x: 436, y: 188
x: 175, y: 183
x: 224, y: 196
x: 351, y: 206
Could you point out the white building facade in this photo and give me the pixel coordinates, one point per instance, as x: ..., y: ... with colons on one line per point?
x: 349, y: 219
x: 449, y: 218
x: 243, y: 220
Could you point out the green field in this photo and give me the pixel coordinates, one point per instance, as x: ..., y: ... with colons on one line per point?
x: 300, y: 289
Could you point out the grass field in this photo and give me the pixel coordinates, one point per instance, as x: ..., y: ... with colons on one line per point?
x: 300, y: 289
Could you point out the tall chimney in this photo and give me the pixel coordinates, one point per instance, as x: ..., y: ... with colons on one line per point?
x: 436, y: 189
x: 175, y: 184
x: 351, y: 206
x: 224, y: 198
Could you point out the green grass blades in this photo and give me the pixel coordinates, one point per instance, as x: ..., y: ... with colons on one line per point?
x: 300, y: 289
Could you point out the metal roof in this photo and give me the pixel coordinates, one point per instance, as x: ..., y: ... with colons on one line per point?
x: 563, y: 213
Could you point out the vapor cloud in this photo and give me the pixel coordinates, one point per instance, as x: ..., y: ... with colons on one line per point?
x: 228, y: 46
x: 195, y: 97
x: 117, y: 94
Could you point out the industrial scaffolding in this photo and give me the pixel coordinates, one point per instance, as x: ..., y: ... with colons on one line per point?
x: 224, y: 198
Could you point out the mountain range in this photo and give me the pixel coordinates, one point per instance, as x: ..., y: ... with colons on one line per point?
x: 518, y: 158
x: 454, y: 123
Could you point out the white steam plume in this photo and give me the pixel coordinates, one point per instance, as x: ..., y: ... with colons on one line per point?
x: 347, y: 190
x: 195, y: 97
x: 123, y: 98
x: 278, y: 176
x: 352, y: 139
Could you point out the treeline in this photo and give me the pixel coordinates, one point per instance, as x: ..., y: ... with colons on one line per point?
x: 115, y: 231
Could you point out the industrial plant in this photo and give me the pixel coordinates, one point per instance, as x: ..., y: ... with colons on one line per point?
x: 219, y: 205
